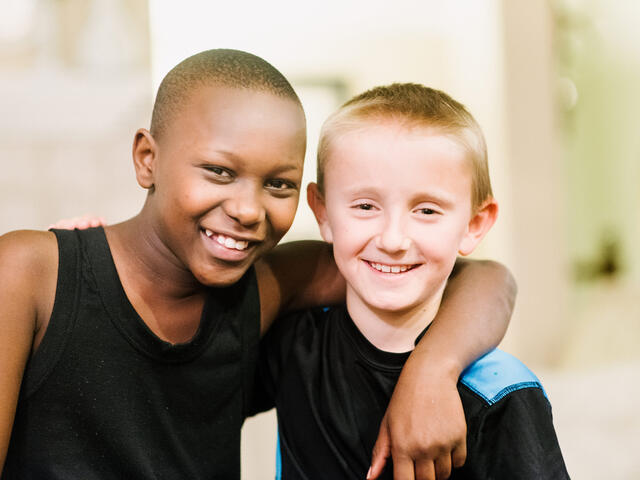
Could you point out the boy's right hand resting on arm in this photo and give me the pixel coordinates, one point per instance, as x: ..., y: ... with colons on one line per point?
x: 28, y: 273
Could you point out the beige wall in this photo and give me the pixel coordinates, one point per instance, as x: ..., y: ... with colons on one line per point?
x: 74, y: 86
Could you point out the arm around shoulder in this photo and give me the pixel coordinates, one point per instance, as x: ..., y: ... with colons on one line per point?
x: 28, y: 272
x: 297, y: 275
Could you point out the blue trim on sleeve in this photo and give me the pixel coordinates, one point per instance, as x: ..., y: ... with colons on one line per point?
x: 497, y: 374
x: 278, y: 458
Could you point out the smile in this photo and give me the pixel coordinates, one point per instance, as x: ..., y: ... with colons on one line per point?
x: 384, y: 268
x: 226, y: 241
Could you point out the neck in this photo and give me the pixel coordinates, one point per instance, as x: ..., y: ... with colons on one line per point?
x: 392, y: 330
x: 145, y: 262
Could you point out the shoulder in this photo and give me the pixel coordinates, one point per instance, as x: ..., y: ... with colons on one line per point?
x: 27, y: 253
x: 496, y: 375
x: 28, y: 272
x: 303, y: 322
x: 297, y: 275
x: 300, y: 330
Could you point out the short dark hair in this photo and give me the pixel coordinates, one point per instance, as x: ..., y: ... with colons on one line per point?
x: 231, y: 68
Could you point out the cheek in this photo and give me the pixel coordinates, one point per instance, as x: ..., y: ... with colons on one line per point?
x: 349, y: 240
x: 281, y: 212
x: 179, y: 189
x: 438, y: 242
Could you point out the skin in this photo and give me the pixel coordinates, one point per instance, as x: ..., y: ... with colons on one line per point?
x: 231, y: 164
x: 397, y: 209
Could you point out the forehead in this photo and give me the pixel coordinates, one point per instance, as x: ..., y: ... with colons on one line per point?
x: 393, y: 160
x: 236, y: 120
x: 377, y: 147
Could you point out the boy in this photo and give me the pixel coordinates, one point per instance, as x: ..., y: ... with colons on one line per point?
x: 403, y: 187
x: 130, y: 352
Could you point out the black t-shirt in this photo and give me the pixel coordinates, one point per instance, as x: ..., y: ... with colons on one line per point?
x: 104, y: 398
x: 331, y: 387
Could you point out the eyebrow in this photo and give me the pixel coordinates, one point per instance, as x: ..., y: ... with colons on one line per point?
x: 442, y: 199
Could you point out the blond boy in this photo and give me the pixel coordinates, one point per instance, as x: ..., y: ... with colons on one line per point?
x: 403, y: 188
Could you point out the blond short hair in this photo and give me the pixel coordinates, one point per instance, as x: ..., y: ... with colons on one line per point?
x: 413, y: 105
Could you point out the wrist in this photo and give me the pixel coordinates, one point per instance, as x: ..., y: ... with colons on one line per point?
x: 437, y: 365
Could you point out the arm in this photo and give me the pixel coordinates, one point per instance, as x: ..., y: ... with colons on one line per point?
x: 424, y: 427
x: 24, y: 274
x: 297, y: 275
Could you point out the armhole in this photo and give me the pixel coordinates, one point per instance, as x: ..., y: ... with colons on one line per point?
x: 63, y: 313
x: 250, y: 328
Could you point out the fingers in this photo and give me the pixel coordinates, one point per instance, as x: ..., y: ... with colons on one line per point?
x: 442, y: 467
x: 425, y: 470
x: 459, y: 455
x: 381, y: 451
x: 403, y: 469
x: 83, y: 222
x: 97, y: 222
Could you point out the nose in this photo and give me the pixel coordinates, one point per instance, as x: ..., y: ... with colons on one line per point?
x: 245, y: 206
x: 392, y: 238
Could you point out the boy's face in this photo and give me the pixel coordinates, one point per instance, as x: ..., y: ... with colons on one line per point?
x: 397, y: 207
x: 226, y: 179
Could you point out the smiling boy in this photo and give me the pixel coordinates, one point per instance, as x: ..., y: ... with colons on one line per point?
x: 403, y: 188
x: 129, y: 352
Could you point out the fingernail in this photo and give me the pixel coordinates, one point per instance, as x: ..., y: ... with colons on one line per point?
x: 369, y: 473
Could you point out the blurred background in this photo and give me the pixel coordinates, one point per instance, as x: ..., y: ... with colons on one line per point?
x: 553, y: 83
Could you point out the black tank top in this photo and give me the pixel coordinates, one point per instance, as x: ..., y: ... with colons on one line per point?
x: 104, y: 398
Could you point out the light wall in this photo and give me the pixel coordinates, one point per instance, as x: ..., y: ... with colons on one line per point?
x: 74, y: 86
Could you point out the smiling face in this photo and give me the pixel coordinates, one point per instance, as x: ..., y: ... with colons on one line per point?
x: 224, y: 180
x: 397, y: 208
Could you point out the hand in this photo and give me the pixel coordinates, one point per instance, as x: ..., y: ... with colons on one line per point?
x: 424, y: 429
x: 83, y: 222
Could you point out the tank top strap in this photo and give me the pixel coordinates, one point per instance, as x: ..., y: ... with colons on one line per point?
x: 63, y: 315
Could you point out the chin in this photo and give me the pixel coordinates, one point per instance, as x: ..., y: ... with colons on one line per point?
x: 392, y: 305
x: 221, y: 277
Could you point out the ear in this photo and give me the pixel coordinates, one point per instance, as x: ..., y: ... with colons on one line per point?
x: 478, y: 226
x: 315, y: 199
x: 144, y: 154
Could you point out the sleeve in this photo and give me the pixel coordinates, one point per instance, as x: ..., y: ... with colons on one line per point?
x: 274, y: 350
x: 515, y: 438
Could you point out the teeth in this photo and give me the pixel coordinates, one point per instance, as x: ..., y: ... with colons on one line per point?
x: 228, y: 242
x: 389, y: 268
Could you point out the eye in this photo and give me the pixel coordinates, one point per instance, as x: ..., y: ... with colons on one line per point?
x: 219, y: 172
x: 280, y: 185
x: 427, y: 211
x: 364, y: 206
